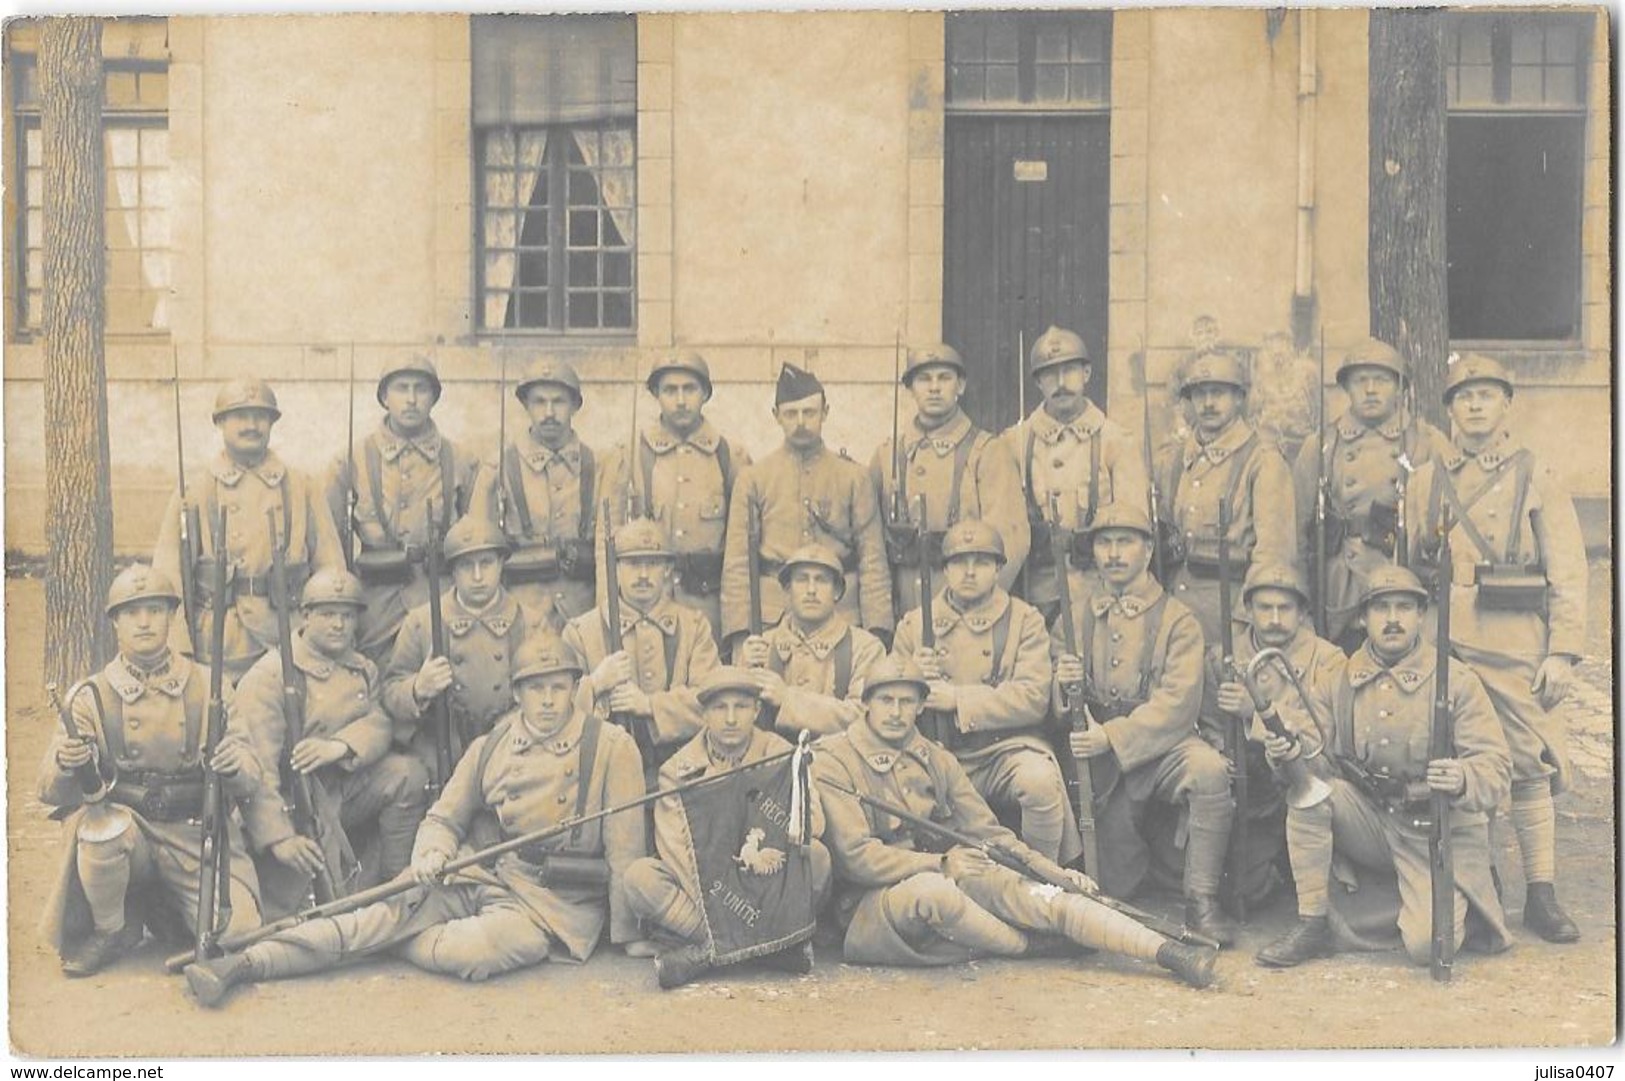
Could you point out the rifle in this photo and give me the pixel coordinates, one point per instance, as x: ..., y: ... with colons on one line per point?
x: 1442, y: 744
x: 937, y: 726
x: 631, y: 460
x: 214, y: 863
x: 1237, y: 739
x: 753, y: 541
x: 348, y: 538
x: 439, y: 708
x: 899, y: 502
x: 404, y: 882
x: 189, y: 518
x: 306, y: 821
x: 1000, y: 853
x: 613, y: 641
x: 502, y: 445
x: 1317, y: 556
x: 1158, y: 544
x: 1021, y: 415
x: 1074, y: 711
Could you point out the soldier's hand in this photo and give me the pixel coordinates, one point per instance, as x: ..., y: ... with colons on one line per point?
x: 772, y: 685
x: 1092, y: 742
x: 230, y: 758
x: 964, y: 862
x: 1082, y: 881
x: 629, y: 698
x: 753, y: 652
x: 930, y: 662
x: 300, y: 853
x: 612, y: 671
x: 1234, y: 699
x: 312, y: 753
x: 1069, y: 670
x: 1553, y: 680
x: 426, y: 868
x: 1279, y: 749
x: 435, y: 676
x: 73, y: 753
x: 1447, y: 775
x: 943, y: 696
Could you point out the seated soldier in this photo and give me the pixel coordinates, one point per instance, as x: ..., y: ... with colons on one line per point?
x: 364, y: 797
x: 544, y: 763
x: 1378, y: 812
x: 907, y: 898
x: 1142, y: 682
x: 665, y: 891
x: 131, y: 785
x: 810, y: 666
x: 990, y: 683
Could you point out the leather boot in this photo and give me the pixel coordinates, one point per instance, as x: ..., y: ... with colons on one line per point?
x: 1204, y: 916
x: 1309, y: 938
x: 797, y: 960
x: 1544, y: 916
x: 682, y: 965
x: 101, y: 949
x: 1193, y: 964
x: 211, y: 981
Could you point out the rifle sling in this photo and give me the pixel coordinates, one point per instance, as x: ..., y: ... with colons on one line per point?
x: 1444, y: 488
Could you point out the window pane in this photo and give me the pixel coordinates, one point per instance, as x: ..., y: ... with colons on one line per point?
x: 121, y: 90
x: 1527, y: 42
x: 583, y: 310
x: 1002, y: 84
x: 1526, y: 85
x: 1562, y: 44
x: 965, y: 38
x: 155, y: 187
x: 618, y: 310
x: 1052, y: 43
x: 618, y: 269
x: 1002, y: 40
x: 530, y: 310
x: 153, y: 91
x: 123, y: 147
x: 583, y: 228
x: 1476, y: 86
x: 966, y: 82
x: 36, y: 308
x: 154, y: 146
x: 1050, y: 84
x: 583, y: 268
x: 533, y: 270
x: 1088, y: 43
x: 35, y: 141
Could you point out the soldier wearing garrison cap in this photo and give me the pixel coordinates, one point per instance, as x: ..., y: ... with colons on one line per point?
x: 484, y: 626
x: 247, y: 478
x: 805, y: 493
x: 990, y: 677
x: 1222, y: 468
x: 388, y: 484
x: 132, y: 849
x: 962, y: 471
x: 680, y: 472
x: 1365, y: 459
x: 543, y: 492
x: 1382, y: 777
x: 1518, y: 600
x: 342, y: 744
x: 546, y: 761
x: 1141, y: 675
x: 1069, y: 449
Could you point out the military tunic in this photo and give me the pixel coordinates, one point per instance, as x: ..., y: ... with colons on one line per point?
x: 997, y: 730
x: 373, y: 789
x: 684, y: 484
x: 158, y: 723
x: 1087, y: 463
x: 963, y: 472
x: 818, y: 497
x: 1361, y: 466
x: 1506, y: 648
x: 1243, y: 471
x: 1380, y: 719
x: 549, y: 508
x: 810, y: 666
x: 395, y: 479
x: 246, y: 494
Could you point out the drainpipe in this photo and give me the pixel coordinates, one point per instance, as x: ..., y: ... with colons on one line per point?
x: 1303, y: 284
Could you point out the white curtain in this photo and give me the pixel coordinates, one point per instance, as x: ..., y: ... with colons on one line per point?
x: 509, y: 183
x: 609, y: 153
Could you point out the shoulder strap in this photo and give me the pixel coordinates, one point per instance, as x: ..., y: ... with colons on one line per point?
x: 1238, y: 466
x: 1462, y: 511
x: 843, y: 665
x: 646, y: 463
x: 669, y: 642
x: 726, y: 464
x: 112, y: 721
x: 1034, y: 511
x: 1520, y: 499
x: 1343, y: 716
x: 589, y: 756
x: 516, y: 487
x: 1086, y: 641
x: 1094, y: 478
x: 375, y: 481
x: 195, y: 704
x: 1001, y: 642
x: 448, y: 486
x: 499, y: 731
x: 1161, y: 634
x: 962, y: 453
x: 587, y: 482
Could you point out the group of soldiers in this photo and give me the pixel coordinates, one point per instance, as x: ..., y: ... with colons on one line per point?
x: 1094, y: 665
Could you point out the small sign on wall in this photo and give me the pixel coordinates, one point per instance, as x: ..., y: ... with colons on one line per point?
x: 1031, y: 172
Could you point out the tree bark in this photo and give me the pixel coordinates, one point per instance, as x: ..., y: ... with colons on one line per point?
x: 1409, y: 305
x: 78, y: 497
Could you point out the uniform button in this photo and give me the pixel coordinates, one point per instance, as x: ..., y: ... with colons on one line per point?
x: 1196, y: 484
x: 680, y: 532
x: 498, y: 655
x: 458, y: 686
x: 1117, y: 637
x: 682, y: 480
x: 134, y: 723
x: 1349, y: 457
x: 571, y: 772
x: 682, y: 506
x: 134, y: 752
x: 1348, y: 482
x: 457, y: 658
x: 987, y: 653
x: 1112, y: 692
x: 919, y: 471
x: 564, y: 798
x: 1382, y: 713
x: 1057, y: 463
x: 1383, y: 742
x: 1116, y: 661
x: 497, y: 687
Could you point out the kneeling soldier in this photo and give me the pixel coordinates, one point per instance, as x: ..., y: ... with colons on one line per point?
x: 544, y: 763
x: 989, y: 674
x: 903, y: 899
x: 666, y: 891
x: 141, y: 722
x: 1381, y: 782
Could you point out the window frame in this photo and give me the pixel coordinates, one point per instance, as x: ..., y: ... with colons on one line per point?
x: 1028, y: 25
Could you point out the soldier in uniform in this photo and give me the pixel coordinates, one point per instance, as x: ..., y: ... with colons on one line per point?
x: 1365, y: 461
x: 1222, y: 467
x: 247, y: 479
x: 667, y: 649
x: 1382, y: 780
x: 810, y: 666
x: 1070, y: 449
x: 1142, y: 682
x: 905, y: 898
x: 962, y: 471
x: 342, y: 744
x: 989, y: 674
x: 1518, y: 606
x: 484, y: 627
x: 543, y: 493
x: 680, y: 473
x: 804, y: 494
x: 665, y: 890
x: 386, y: 486
x: 544, y: 763
x: 134, y: 847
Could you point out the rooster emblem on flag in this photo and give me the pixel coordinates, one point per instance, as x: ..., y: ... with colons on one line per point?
x: 756, y: 859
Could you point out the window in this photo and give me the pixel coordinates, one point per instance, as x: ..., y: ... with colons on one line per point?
x: 135, y: 125
x: 1516, y: 88
x: 555, y: 113
x: 1020, y: 61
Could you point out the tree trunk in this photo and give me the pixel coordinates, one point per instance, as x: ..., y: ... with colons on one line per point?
x: 78, y: 497
x: 1409, y: 306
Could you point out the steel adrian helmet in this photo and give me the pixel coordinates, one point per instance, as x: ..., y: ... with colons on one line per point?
x: 140, y: 582
x: 690, y: 362
x: 240, y: 394
x: 332, y: 587
x: 1391, y: 579
x: 641, y: 537
x: 543, y: 655
x: 814, y: 555
x: 890, y: 671
x: 938, y: 355
x: 416, y: 364
x: 1274, y: 576
x: 973, y: 537
x: 1216, y: 366
x: 1122, y: 516
x: 556, y: 372
x: 727, y: 678
x: 473, y: 534
x: 1056, y: 346
x: 1372, y: 353
x: 1473, y: 368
